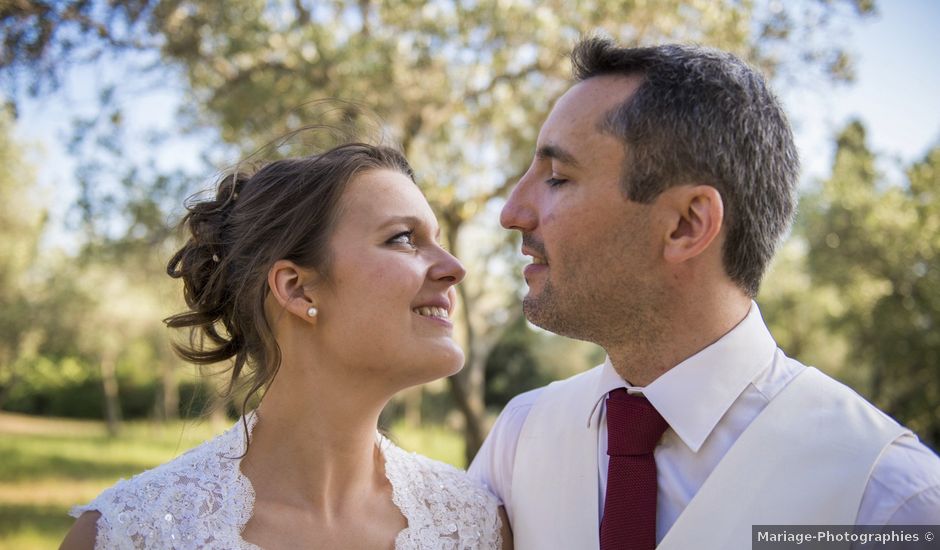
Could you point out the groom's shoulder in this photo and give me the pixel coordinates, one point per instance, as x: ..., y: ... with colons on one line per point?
x: 579, y: 382
x: 513, y: 416
x: 516, y: 411
x: 524, y: 401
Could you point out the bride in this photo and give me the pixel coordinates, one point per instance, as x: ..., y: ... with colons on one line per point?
x: 323, y: 280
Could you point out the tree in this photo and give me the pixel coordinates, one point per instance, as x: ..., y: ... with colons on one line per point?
x: 877, y: 244
x: 39, y: 301
x: 462, y: 86
x: 21, y: 225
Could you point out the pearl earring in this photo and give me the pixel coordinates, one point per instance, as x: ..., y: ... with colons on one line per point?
x: 311, y: 311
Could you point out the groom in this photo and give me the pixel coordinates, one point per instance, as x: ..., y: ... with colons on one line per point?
x: 662, y: 182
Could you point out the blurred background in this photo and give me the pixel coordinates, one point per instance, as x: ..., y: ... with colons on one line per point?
x: 111, y: 113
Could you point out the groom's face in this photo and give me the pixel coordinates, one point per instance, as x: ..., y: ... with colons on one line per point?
x: 592, y: 249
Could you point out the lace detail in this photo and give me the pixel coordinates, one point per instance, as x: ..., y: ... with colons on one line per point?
x: 202, y: 500
x: 444, y: 508
x: 198, y: 500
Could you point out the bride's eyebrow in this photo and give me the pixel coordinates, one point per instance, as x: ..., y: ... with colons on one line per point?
x: 410, y: 221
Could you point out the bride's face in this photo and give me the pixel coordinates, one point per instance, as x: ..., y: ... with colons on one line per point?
x: 387, y: 309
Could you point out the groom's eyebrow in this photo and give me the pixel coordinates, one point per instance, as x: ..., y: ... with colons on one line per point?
x: 552, y: 151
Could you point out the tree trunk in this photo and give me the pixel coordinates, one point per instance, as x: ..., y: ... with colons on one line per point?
x: 170, y: 389
x: 6, y: 388
x: 471, y: 407
x: 112, y: 403
x: 218, y: 403
x: 11, y: 381
x: 467, y: 386
x: 411, y: 400
x: 876, y: 380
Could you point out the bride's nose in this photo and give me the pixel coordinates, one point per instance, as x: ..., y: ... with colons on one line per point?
x: 447, y: 268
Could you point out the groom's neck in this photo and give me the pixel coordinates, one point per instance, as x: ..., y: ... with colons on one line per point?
x: 683, y: 329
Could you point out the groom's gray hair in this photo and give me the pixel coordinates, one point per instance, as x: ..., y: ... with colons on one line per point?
x: 703, y: 116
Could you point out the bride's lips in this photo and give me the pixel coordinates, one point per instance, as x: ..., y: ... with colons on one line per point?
x: 437, y: 311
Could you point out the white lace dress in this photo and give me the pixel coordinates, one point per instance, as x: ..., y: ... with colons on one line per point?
x: 202, y: 500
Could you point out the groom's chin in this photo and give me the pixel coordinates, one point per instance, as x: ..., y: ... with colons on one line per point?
x: 546, y: 313
x: 538, y: 312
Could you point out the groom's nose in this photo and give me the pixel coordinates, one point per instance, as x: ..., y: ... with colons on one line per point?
x: 519, y: 212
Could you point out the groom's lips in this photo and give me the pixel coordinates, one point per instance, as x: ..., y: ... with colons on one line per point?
x: 539, y: 264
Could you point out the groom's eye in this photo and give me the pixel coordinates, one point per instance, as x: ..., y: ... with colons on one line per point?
x: 555, y: 182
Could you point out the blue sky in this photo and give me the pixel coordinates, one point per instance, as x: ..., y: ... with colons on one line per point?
x: 896, y: 95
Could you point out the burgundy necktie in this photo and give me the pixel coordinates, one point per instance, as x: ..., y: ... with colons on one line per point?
x: 633, y: 429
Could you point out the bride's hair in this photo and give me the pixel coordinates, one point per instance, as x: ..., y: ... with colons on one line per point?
x: 285, y: 209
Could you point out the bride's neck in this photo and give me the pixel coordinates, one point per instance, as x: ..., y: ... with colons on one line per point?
x: 314, y: 443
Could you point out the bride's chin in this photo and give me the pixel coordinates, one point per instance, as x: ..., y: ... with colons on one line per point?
x: 442, y: 369
x: 455, y: 361
x: 455, y: 369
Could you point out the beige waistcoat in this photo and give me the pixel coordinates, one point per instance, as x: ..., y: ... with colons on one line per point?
x: 806, y: 459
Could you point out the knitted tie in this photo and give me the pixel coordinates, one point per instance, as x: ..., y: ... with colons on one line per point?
x: 633, y: 429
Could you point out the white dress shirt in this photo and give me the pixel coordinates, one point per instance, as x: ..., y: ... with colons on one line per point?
x: 708, y: 400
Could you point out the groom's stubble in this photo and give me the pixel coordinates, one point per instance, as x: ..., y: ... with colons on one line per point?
x: 604, y: 293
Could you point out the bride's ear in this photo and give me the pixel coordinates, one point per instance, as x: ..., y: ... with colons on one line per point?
x: 290, y: 285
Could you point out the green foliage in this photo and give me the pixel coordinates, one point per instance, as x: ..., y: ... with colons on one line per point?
x: 21, y: 226
x: 877, y: 242
x: 49, y: 390
x: 511, y: 367
x: 797, y: 310
x: 64, y: 388
x: 43, y: 38
x: 463, y: 87
x: 526, y: 358
x: 859, y: 291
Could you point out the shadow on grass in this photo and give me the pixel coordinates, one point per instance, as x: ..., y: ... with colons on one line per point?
x: 53, y: 521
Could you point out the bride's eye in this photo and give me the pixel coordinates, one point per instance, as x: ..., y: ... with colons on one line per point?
x: 405, y: 237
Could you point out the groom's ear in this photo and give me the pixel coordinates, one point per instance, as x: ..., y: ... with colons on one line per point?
x: 694, y: 216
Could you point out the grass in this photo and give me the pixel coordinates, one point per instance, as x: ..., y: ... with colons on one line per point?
x: 436, y: 442
x: 49, y: 465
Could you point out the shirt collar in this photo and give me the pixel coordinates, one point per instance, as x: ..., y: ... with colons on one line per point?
x: 695, y: 394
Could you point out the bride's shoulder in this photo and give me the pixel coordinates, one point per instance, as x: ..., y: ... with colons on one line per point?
x: 437, y: 477
x: 176, y: 500
x: 444, y: 506
x: 433, y: 481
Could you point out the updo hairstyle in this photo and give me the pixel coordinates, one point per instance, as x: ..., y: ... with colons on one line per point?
x: 286, y: 210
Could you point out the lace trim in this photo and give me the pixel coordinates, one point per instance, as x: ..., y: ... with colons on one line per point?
x: 203, y: 500
x: 443, y: 507
x: 245, y: 490
x: 198, y: 500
